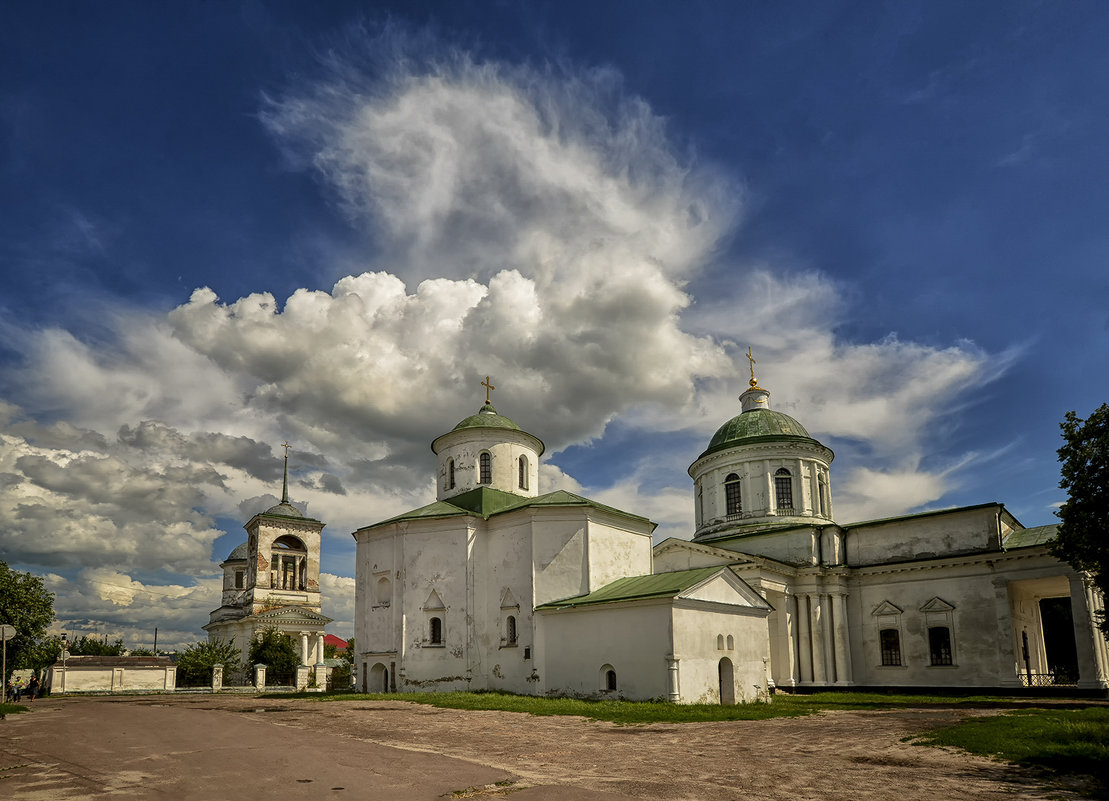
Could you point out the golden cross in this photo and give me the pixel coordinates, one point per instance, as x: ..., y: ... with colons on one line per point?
x: 488, y: 388
x: 287, y: 448
x: 750, y: 358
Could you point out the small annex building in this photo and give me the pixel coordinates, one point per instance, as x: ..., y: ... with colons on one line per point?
x: 273, y: 581
x: 495, y: 586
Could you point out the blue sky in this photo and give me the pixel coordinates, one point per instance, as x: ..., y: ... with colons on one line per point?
x: 225, y: 225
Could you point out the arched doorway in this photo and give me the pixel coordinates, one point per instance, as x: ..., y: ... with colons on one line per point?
x: 379, y: 679
x: 727, y: 682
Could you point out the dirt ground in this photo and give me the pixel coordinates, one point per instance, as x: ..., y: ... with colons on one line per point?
x: 855, y: 756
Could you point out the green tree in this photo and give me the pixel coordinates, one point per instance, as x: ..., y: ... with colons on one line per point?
x: 93, y: 646
x: 340, y: 676
x: 194, y: 664
x: 26, y: 604
x: 1083, y: 538
x: 276, y: 650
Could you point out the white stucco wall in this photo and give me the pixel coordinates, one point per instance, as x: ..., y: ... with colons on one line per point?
x: 696, y: 635
x: 924, y: 537
x: 633, y: 638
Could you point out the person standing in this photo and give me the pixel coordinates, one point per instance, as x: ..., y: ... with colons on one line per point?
x: 33, y: 688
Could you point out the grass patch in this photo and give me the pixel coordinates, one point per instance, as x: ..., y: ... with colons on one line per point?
x: 784, y: 705
x: 11, y: 709
x: 1073, y: 742
x: 614, y: 711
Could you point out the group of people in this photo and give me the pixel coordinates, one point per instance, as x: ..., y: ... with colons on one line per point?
x: 14, y: 691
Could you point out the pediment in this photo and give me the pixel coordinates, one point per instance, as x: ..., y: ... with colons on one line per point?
x: 886, y: 608
x: 434, y: 602
x: 726, y: 588
x: 937, y: 604
x: 508, y: 600
x: 291, y: 615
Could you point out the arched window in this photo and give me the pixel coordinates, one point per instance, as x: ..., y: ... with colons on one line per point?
x: 510, y: 630
x: 783, y: 490
x: 732, y: 499
x: 890, y: 643
x: 719, y: 642
x: 939, y: 645
x: 523, y: 464
x: 608, y: 679
x: 485, y: 467
x: 435, y: 631
x: 822, y: 488
x: 731, y: 643
x: 450, y: 473
x: 288, y: 564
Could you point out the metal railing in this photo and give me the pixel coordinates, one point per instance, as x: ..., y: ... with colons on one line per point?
x: 1048, y: 680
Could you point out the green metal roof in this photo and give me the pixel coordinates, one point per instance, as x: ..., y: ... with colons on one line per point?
x: 1027, y: 537
x: 485, y: 502
x: 757, y: 425
x: 634, y: 588
x: 487, y: 417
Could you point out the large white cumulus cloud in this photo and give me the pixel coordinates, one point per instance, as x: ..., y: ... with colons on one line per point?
x: 532, y: 224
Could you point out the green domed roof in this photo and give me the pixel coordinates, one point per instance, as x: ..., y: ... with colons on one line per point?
x: 487, y: 417
x: 757, y: 425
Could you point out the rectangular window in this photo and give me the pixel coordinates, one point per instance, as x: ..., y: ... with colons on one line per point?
x: 238, y: 579
x: 939, y: 645
x: 890, y: 640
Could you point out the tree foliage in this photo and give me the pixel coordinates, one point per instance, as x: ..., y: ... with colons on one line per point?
x: 1083, y: 539
x: 93, y: 646
x: 274, y: 649
x: 195, y: 663
x: 26, y: 604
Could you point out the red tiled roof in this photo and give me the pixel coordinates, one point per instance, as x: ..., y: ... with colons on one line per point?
x: 338, y: 642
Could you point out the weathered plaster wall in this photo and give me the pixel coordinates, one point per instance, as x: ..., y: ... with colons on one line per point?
x: 923, y: 537
x: 633, y: 639
x: 697, y: 633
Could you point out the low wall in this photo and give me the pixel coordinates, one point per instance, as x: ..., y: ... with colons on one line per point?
x: 112, y: 674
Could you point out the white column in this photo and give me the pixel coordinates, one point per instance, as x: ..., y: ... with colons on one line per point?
x: 818, y: 625
x: 304, y: 648
x: 319, y: 648
x: 1101, y: 646
x: 804, y: 641
x: 842, y: 645
x: 771, y: 502
x: 789, y: 632
x: 1086, y: 636
x: 672, y: 679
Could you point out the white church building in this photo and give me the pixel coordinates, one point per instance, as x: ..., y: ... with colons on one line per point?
x: 494, y: 586
x: 273, y: 581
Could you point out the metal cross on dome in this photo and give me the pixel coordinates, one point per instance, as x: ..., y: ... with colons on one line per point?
x: 488, y: 388
x: 287, y: 448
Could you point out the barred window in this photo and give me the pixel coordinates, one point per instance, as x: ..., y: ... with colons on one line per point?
x: 783, y: 489
x: 523, y: 470
x: 450, y: 473
x: 435, y: 631
x: 732, y: 496
x: 890, y: 640
x: 939, y: 645
x: 485, y: 464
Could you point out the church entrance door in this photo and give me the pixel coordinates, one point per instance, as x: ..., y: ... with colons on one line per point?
x: 379, y: 679
x: 727, y: 682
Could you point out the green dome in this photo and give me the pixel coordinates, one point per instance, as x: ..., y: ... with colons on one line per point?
x: 487, y: 418
x: 757, y: 425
